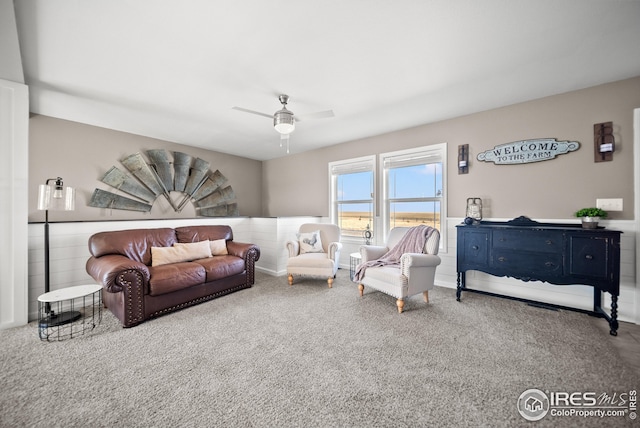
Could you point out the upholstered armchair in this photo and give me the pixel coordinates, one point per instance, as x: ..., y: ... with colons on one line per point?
x: 413, y: 274
x: 315, y: 253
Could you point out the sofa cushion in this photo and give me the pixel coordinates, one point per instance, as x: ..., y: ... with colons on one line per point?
x: 134, y: 244
x: 217, y: 267
x: 175, y: 276
x: 311, y: 260
x: 203, y: 233
x: 195, y: 250
x: 180, y: 253
x: 219, y: 247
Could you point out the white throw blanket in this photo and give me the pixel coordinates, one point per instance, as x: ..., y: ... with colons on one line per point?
x: 412, y: 242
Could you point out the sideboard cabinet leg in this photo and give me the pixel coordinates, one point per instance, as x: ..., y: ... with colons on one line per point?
x: 613, y: 322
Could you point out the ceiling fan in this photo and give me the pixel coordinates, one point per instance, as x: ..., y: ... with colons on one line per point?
x: 284, y: 120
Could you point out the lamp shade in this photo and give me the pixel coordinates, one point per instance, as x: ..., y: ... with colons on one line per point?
x: 283, y: 121
x: 56, y: 197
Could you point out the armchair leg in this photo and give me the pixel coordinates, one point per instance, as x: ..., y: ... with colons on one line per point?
x: 330, y: 281
x: 361, y: 289
x: 426, y: 296
x: 290, y: 278
x: 400, y: 304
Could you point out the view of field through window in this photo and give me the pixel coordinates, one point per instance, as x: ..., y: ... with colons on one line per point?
x: 355, y: 203
x: 414, y: 195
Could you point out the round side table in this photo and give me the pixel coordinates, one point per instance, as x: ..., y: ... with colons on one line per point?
x: 354, y: 260
x: 68, y: 312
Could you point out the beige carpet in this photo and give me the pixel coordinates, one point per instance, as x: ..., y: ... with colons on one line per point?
x: 310, y: 356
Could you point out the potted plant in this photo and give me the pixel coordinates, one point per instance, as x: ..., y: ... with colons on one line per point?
x: 591, y: 217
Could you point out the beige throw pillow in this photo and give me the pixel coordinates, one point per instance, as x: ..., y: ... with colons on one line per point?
x: 218, y: 247
x: 180, y: 253
x: 310, y: 242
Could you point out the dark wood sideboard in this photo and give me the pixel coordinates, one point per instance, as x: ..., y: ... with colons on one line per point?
x: 559, y: 254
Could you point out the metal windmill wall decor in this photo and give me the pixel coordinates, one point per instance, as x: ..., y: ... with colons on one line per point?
x: 146, y: 181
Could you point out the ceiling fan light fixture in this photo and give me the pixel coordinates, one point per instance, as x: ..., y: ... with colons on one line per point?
x: 283, y: 121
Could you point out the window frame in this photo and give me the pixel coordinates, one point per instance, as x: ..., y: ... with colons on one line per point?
x: 413, y: 155
x: 349, y: 166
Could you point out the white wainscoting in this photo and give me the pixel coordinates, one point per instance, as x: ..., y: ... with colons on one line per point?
x: 69, y: 254
x: 68, y: 244
x: 271, y: 235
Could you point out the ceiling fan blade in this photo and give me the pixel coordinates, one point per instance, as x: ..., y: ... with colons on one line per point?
x: 270, y: 116
x: 316, y: 115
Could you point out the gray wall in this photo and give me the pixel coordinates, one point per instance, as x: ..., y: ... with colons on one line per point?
x: 297, y: 185
x: 81, y: 154
x: 553, y: 189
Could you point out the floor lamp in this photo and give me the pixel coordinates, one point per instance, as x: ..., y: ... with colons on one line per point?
x: 54, y: 197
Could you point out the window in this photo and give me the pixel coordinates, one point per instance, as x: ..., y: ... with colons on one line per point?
x: 414, y: 187
x: 353, y: 195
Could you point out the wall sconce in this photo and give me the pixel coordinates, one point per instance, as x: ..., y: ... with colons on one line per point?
x: 604, y: 142
x: 463, y: 159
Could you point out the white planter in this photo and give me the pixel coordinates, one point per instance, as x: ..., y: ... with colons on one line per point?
x: 590, y: 222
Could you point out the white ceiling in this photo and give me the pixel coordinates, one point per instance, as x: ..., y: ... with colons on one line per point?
x: 173, y: 69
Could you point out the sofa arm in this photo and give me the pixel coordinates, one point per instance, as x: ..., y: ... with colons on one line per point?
x: 119, y: 274
x: 334, y: 251
x: 419, y: 269
x: 419, y: 260
x: 107, y: 271
x: 243, y: 250
x: 372, y: 252
x: 250, y: 253
x: 293, y: 248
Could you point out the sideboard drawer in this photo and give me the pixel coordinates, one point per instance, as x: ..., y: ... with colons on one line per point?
x: 589, y: 257
x: 474, y: 247
x: 531, y: 240
x: 522, y: 264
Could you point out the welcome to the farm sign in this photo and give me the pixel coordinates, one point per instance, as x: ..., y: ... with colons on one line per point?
x: 526, y: 151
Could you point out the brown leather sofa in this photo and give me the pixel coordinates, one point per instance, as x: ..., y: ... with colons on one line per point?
x: 136, y: 289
